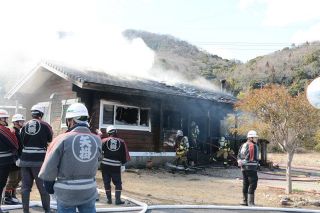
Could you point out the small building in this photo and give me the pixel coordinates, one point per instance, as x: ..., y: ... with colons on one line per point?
x: 145, y: 112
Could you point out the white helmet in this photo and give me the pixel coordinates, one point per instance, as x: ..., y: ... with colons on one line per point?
x: 17, y: 117
x: 252, y: 134
x: 4, y: 113
x: 111, y: 129
x: 38, y: 107
x: 179, y: 133
x: 77, y: 110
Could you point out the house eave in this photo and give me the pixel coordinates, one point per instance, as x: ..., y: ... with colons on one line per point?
x: 37, y: 68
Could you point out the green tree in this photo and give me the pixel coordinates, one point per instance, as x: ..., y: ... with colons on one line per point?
x: 282, y: 118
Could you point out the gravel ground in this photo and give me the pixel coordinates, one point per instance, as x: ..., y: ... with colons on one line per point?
x: 216, y: 186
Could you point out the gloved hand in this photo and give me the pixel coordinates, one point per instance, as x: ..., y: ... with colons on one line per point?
x: 123, y: 168
x: 18, y: 162
x: 240, y: 163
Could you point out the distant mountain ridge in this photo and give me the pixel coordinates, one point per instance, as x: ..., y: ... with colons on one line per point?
x: 292, y: 66
x: 178, y: 55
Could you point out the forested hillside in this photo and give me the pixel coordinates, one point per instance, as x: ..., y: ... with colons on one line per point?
x: 292, y: 66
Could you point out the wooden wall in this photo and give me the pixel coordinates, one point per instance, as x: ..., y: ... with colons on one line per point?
x: 143, y: 141
x: 209, y: 113
x: 61, y: 89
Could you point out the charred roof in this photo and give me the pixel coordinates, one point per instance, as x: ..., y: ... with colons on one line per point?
x: 98, y: 80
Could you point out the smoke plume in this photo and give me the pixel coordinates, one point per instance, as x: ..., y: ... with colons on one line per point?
x: 71, y: 33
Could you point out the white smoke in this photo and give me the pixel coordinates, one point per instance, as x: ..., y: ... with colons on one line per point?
x: 172, y: 77
x: 103, y: 50
x: 70, y: 32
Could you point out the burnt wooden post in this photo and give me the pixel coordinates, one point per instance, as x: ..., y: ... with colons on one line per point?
x: 209, y: 124
x: 263, y: 151
x: 161, y: 126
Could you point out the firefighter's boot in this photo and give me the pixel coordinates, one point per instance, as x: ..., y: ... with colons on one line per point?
x: 45, y: 200
x: 109, y: 198
x: 244, y: 199
x: 118, y: 198
x: 251, y: 200
x: 25, y: 201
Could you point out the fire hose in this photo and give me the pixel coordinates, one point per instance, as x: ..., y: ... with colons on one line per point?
x: 143, y: 207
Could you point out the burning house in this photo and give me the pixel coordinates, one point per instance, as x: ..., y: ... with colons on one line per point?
x: 145, y: 112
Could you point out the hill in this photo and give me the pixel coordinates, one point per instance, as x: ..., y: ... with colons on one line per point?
x: 175, y: 54
x: 293, y: 67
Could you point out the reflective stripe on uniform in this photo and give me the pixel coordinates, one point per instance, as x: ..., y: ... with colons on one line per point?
x: 77, y: 181
x: 251, y: 164
x: 76, y: 184
x: 34, y: 150
x: 110, y: 162
x: 2, y: 155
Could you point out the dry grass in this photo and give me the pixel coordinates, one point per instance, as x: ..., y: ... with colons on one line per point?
x: 299, y: 159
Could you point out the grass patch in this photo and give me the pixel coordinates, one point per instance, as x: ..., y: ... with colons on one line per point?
x: 297, y: 190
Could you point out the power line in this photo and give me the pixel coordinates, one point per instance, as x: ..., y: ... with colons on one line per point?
x: 242, y: 42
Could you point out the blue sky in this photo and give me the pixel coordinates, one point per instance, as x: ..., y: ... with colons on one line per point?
x: 241, y: 29
x: 233, y: 29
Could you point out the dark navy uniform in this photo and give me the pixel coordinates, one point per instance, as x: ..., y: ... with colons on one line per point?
x: 114, y: 156
x: 35, y: 136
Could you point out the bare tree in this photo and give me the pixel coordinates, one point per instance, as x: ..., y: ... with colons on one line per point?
x: 282, y: 118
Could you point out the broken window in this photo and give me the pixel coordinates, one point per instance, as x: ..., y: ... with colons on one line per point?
x: 127, y: 115
x: 124, y: 117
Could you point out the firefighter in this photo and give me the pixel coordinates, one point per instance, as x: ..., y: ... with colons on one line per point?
x: 115, y: 155
x: 35, y: 136
x: 225, y: 151
x: 71, y: 164
x: 181, y: 146
x: 14, y: 175
x: 8, y: 149
x: 194, y: 134
x: 248, y: 161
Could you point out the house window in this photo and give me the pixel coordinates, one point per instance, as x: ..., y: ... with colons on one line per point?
x: 65, y: 104
x: 144, y: 117
x: 127, y: 115
x: 108, y: 114
x: 124, y: 117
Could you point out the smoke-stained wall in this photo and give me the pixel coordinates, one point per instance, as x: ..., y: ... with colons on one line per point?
x: 167, y: 113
